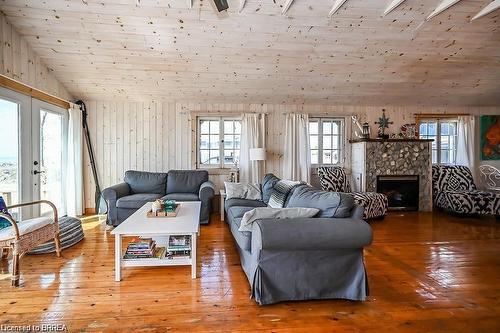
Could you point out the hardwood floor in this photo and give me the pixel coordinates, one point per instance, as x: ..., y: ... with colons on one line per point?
x: 427, y: 273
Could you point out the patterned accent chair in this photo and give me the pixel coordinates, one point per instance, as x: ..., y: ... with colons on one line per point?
x: 334, y: 179
x: 454, y: 190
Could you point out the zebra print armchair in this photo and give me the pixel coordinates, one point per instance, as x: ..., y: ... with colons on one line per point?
x: 454, y: 190
x: 334, y: 179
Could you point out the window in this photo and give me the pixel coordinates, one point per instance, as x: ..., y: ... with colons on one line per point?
x: 444, y: 134
x: 326, y: 136
x: 218, y: 136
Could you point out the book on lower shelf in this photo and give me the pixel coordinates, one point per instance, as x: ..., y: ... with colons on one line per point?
x: 179, y: 243
x: 144, y: 248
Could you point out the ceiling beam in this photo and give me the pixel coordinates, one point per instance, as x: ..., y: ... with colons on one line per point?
x: 444, y: 5
x: 392, y: 6
x: 242, y: 5
x: 287, y: 5
x: 336, y: 6
x: 494, y: 5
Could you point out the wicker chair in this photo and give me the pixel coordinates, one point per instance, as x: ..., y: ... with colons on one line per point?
x: 24, y: 236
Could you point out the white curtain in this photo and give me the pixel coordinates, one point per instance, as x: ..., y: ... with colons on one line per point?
x: 253, y: 135
x: 296, y: 159
x: 74, y: 165
x: 465, y: 144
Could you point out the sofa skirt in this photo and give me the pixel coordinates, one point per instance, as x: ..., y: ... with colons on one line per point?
x: 306, y: 275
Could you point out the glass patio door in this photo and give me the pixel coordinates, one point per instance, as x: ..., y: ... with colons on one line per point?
x: 15, y: 152
x: 49, y: 155
x: 32, y: 153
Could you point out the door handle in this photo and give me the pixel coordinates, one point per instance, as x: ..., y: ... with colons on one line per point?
x: 35, y: 172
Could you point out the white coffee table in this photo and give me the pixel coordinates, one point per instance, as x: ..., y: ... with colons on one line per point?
x: 138, y: 224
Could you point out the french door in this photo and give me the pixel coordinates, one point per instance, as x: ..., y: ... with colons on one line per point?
x: 32, y: 152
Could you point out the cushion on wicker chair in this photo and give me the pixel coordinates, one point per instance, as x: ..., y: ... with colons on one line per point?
x: 25, y: 227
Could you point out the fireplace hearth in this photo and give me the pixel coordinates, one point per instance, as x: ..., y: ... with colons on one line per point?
x: 402, y: 191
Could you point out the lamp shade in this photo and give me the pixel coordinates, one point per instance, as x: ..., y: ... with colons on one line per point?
x: 257, y: 154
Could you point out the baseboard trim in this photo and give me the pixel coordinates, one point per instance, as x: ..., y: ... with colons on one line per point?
x: 89, y: 211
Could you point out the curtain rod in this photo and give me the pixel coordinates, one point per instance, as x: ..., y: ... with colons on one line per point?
x: 442, y: 115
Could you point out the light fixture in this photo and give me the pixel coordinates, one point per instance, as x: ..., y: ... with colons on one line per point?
x: 257, y: 154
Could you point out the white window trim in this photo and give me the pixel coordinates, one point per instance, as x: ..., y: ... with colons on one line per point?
x: 221, y: 164
x: 342, y: 144
x: 438, y: 137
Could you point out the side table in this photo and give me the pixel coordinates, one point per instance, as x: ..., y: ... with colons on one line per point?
x: 222, y: 202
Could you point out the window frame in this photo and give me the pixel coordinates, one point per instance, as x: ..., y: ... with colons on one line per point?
x: 342, y: 140
x: 438, y: 122
x: 220, y: 119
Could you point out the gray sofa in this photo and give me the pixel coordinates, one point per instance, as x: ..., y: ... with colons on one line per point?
x: 303, y: 258
x: 140, y: 187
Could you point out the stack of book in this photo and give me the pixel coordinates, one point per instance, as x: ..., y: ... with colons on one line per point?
x: 144, y: 248
x: 179, y: 247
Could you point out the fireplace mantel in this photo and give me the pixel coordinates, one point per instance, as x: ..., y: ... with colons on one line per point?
x: 392, y: 157
x: 389, y: 140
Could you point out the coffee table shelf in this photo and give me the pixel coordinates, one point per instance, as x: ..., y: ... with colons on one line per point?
x: 138, y: 224
x: 156, y: 262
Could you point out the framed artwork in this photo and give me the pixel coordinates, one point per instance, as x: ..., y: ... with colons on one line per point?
x: 490, y: 137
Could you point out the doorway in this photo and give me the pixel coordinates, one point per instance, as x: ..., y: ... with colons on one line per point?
x: 33, y: 148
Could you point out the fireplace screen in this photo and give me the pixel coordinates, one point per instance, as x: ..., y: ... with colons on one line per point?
x: 402, y: 191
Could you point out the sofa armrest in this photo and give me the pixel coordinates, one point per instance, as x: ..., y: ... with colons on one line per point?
x: 310, y: 234
x: 207, y: 191
x: 357, y: 212
x: 111, y: 195
x: 115, y: 192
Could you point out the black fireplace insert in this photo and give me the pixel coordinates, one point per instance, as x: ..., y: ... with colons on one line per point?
x: 402, y: 191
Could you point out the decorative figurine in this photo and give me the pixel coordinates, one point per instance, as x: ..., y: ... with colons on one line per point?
x: 156, y: 206
x: 409, y: 131
x: 358, y: 130
x: 383, y: 123
x: 366, y: 131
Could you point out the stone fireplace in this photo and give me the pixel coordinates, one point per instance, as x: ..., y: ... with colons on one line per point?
x: 374, y: 159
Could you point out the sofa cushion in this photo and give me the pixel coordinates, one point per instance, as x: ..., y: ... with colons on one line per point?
x: 330, y: 204
x: 146, y: 182
x: 242, y: 238
x: 185, y: 181
x: 236, y: 212
x: 243, y: 202
x: 267, y: 186
x: 181, y: 197
x: 136, y: 201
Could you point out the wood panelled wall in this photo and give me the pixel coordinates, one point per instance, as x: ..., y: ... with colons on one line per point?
x: 19, y: 62
x: 157, y: 136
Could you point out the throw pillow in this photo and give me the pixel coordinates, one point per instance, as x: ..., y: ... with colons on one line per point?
x: 242, y: 191
x: 267, y: 186
x: 281, y: 191
x: 273, y: 213
x: 4, y: 223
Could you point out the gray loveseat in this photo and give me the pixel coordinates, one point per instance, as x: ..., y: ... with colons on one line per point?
x: 140, y: 187
x: 303, y: 258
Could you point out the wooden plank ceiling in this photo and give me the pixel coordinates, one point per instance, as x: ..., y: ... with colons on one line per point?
x: 160, y: 49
